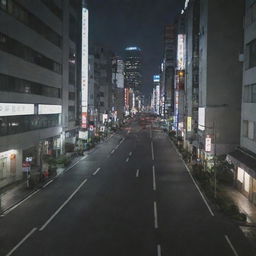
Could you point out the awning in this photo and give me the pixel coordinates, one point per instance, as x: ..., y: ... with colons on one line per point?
x: 244, y: 160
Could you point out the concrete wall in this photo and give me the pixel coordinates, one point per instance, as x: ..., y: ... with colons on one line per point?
x: 220, y: 70
x: 249, y: 78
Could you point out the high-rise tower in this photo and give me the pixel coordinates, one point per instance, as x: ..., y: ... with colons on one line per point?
x: 133, y: 67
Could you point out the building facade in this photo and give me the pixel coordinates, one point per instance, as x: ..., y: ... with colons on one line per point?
x: 103, y: 87
x: 118, y: 84
x: 133, y: 66
x: 168, y: 72
x: 244, y: 158
x: 220, y: 72
x: 192, y: 13
x: 39, y: 87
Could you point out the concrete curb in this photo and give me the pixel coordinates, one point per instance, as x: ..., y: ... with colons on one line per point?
x: 40, y: 186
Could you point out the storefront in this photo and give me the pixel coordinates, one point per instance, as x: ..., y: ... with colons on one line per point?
x: 10, y: 166
x: 30, y: 156
x: 7, y: 164
x: 245, y: 173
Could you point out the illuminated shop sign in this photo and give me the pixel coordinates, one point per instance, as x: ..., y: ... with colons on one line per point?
x: 189, y: 124
x: 201, y: 119
x: 15, y: 109
x: 132, y: 49
x: 181, y: 52
x: 49, y: 109
x: 8, y: 154
x: 186, y: 4
x: 156, y: 78
x: 83, y: 135
x: 208, y: 144
x: 158, y: 99
x: 84, y: 70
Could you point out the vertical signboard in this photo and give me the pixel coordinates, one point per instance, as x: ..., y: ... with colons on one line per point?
x: 158, y: 99
x: 181, y: 52
x: 189, y: 124
x: 201, y: 118
x: 84, y: 69
x: 208, y: 144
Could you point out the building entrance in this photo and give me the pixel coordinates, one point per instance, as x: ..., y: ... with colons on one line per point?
x: 3, y: 168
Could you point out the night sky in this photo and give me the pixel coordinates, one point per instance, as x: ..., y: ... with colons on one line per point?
x: 117, y: 24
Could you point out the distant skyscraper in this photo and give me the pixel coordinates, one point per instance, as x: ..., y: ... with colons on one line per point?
x: 133, y: 67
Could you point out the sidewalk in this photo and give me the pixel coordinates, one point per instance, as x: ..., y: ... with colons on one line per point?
x: 19, y: 191
x: 242, y: 202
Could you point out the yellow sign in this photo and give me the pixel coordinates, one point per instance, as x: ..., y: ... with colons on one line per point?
x: 189, y: 124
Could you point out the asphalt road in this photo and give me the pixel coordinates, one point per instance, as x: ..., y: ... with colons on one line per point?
x: 132, y: 196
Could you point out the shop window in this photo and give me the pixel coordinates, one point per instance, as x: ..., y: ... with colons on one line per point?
x: 240, y: 175
x: 250, y: 58
x: 19, y: 124
x: 11, y: 46
x: 53, y: 7
x: 23, y: 15
x: 250, y: 93
x: 245, y: 128
x: 246, y: 182
x: 251, y: 130
x: 250, y: 15
x: 13, y: 84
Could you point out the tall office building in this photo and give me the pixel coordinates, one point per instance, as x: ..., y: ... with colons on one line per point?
x: 118, y: 85
x: 192, y: 74
x: 157, y: 94
x: 179, y: 92
x: 168, y: 69
x: 38, y: 82
x: 103, y: 90
x: 133, y: 68
x: 244, y: 158
x: 220, y: 77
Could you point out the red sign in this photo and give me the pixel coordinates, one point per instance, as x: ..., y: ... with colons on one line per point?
x: 84, y: 120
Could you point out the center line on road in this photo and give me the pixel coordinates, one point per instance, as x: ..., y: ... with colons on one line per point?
x: 62, y: 206
x: 159, y: 253
x: 137, y: 173
x: 96, y: 171
x: 152, y: 151
x: 155, y: 216
x: 21, y: 242
x: 231, y: 246
x: 130, y: 154
x: 113, y: 151
x: 154, y: 178
x: 127, y: 159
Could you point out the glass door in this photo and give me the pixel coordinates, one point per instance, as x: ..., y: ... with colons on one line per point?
x: 3, y: 168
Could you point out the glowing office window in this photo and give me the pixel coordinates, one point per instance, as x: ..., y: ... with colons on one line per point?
x: 240, y: 175
x: 246, y: 182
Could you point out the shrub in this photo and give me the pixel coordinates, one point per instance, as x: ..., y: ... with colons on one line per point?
x: 63, y: 160
x: 172, y: 134
x: 69, y: 147
x: 186, y: 155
